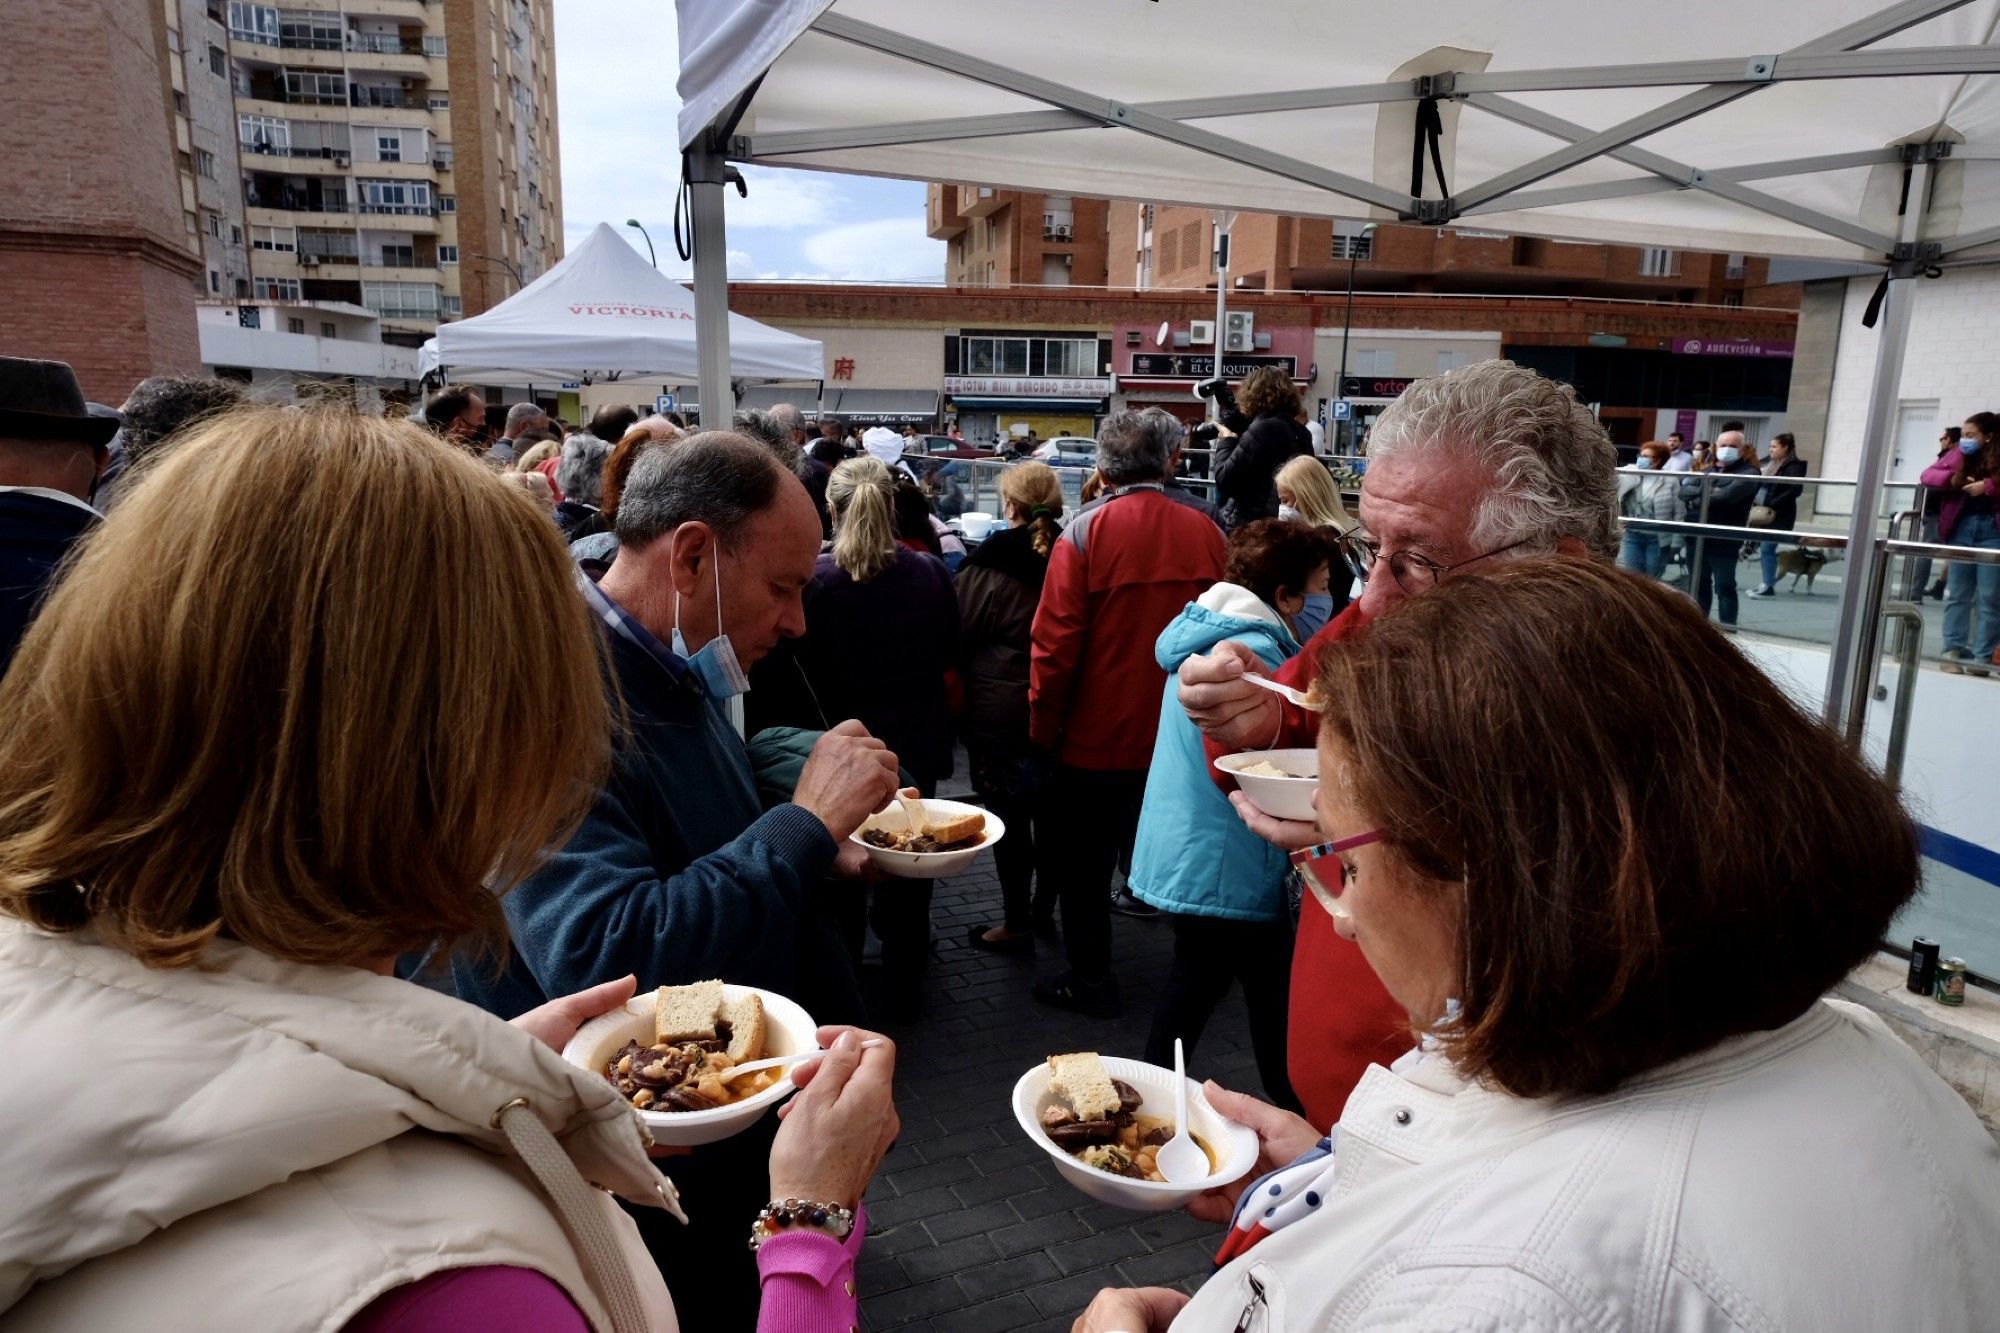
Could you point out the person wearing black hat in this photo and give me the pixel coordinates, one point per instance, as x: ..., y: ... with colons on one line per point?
x: 52, y: 450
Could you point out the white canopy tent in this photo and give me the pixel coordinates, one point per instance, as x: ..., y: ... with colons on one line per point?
x: 1836, y: 129
x: 603, y: 313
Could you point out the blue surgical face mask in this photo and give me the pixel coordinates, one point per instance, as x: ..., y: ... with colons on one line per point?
x: 715, y: 666
x: 1642, y: 462
x: 1967, y: 445
x: 1727, y: 454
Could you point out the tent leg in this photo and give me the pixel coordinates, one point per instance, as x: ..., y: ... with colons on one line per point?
x: 711, y: 288
x: 1848, y: 677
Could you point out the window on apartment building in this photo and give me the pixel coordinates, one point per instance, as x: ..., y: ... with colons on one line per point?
x: 434, y: 46
x: 204, y: 163
x: 1372, y: 362
x: 395, y: 196
x: 242, y: 287
x: 1067, y: 356
x: 213, y: 223
x: 235, y: 234
x: 214, y: 283
x: 441, y: 154
x: 1736, y: 266
x: 452, y: 305
x: 276, y: 289
x: 447, y: 203
x: 295, y: 326
x: 1351, y: 242
x: 1659, y: 262
x: 447, y: 254
x: 274, y: 238
x: 264, y: 134
x: 180, y: 102
x: 328, y: 329
x: 399, y: 256
x: 401, y: 300
x: 310, y: 31
x: 1451, y: 360
x: 174, y: 40
x: 440, y: 101
x: 313, y: 87
x: 218, y: 62
x: 1732, y: 298
x: 253, y: 23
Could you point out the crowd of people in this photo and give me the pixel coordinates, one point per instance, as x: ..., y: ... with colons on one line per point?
x: 334, y: 859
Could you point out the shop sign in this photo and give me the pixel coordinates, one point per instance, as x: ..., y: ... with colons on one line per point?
x: 1729, y: 347
x: 1007, y: 386
x: 1190, y: 366
x: 1372, y: 386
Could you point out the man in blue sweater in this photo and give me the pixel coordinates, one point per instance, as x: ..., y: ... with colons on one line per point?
x: 678, y: 873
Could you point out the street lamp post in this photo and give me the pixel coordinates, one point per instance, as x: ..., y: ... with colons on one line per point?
x: 1347, y: 323
x: 651, y: 258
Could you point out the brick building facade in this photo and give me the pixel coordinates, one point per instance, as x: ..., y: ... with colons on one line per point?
x: 1005, y: 238
x: 96, y: 257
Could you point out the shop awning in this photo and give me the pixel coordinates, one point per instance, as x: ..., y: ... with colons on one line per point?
x: 896, y: 407
x: 763, y: 397
x: 1046, y: 406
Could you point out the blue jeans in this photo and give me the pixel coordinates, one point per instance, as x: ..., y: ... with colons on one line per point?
x: 1715, y: 572
x: 1969, y: 583
x: 1643, y: 554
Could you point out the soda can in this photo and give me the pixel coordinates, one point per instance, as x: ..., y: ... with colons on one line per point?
x: 1923, y: 966
x: 1951, y: 981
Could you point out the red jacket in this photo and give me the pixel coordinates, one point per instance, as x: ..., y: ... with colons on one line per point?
x: 1123, y: 568
x: 1342, y: 1019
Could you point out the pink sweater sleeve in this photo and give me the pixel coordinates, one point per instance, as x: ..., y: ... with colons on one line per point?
x: 808, y: 1280
x: 492, y: 1298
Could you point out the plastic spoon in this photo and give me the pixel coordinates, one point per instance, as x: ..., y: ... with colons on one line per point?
x: 773, y: 1061
x: 1299, y: 697
x: 1180, y: 1159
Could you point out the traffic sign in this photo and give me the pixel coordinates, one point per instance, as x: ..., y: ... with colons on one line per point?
x: 666, y: 402
x: 1341, y: 409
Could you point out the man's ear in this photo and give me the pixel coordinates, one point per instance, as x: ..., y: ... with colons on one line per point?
x: 689, y: 549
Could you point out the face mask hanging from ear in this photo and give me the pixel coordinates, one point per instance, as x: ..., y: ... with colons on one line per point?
x: 722, y: 677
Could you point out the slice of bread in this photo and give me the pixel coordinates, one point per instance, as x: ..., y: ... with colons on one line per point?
x: 1081, y: 1082
x: 686, y: 1013
x: 954, y: 828
x: 746, y: 1028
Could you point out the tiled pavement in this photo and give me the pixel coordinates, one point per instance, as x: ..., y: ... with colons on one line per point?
x: 970, y: 1226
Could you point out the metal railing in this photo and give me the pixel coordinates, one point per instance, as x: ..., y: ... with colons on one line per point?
x: 299, y: 204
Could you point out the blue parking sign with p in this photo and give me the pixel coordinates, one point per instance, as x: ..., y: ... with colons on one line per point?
x: 1341, y: 409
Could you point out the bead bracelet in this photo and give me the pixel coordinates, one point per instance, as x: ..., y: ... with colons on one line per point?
x: 778, y: 1215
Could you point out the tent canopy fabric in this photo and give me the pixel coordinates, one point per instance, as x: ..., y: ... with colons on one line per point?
x: 600, y: 313
x: 1774, y: 129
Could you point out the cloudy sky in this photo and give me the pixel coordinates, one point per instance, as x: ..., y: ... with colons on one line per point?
x: 615, y: 67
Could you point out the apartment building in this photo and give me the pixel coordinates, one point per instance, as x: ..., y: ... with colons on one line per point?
x: 1004, y: 238
x: 394, y: 155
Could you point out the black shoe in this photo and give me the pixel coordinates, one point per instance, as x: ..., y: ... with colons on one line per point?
x: 1125, y: 904
x: 976, y: 938
x: 1098, y: 998
x: 1045, y: 927
x: 1936, y: 593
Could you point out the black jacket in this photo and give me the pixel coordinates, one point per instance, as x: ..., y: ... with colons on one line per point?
x: 999, y: 587
x: 1731, y: 494
x: 1784, y: 498
x: 1246, y: 468
x: 36, y: 531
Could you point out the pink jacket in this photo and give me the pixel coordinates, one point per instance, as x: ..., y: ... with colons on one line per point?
x: 1949, y: 499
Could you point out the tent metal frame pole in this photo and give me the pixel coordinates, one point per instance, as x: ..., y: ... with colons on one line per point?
x: 1108, y: 112
x: 1600, y: 143
x: 1847, y: 676
x: 1691, y: 177
x: 707, y: 178
x: 1796, y: 166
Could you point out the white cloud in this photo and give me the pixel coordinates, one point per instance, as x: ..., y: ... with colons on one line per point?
x: 884, y: 250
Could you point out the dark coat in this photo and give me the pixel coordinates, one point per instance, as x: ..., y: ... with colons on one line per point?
x: 1731, y: 494
x: 1783, y: 498
x: 677, y: 874
x: 578, y: 520
x: 999, y: 586
x: 1246, y: 467
x: 36, y: 532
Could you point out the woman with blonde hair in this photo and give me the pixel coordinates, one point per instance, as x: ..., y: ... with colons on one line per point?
x: 233, y: 790
x: 999, y: 587
x: 881, y: 638
x: 1306, y: 494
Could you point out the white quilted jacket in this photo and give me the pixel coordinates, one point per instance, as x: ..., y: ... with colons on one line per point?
x: 267, y: 1146
x: 1817, y: 1178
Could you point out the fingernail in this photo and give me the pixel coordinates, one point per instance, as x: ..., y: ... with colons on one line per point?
x: 844, y: 1042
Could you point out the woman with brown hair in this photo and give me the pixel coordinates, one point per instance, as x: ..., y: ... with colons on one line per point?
x: 999, y: 587
x: 1630, y: 1105
x: 247, y: 761
x: 1245, y: 467
x: 1970, y: 478
x: 600, y: 547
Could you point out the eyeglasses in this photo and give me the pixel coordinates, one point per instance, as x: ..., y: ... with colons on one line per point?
x: 1413, y: 571
x: 1311, y: 864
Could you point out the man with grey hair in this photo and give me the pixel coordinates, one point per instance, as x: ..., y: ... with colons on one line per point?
x: 520, y: 417
x: 1488, y: 462
x: 678, y: 873
x: 1126, y: 566
x: 580, y: 479
x: 814, y: 473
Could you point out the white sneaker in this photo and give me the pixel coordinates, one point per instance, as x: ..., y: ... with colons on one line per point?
x: 1766, y: 591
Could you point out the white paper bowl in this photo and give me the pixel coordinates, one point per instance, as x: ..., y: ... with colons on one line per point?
x: 1235, y: 1145
x: 788, y: 1029
x: 1280, y: 798
x: 927, y: 865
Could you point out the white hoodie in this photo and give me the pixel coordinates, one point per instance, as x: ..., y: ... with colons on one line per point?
x: 263, y: 1145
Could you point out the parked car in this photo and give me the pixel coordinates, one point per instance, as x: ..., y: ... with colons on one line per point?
x: 1067, y: 451
x: 944, y: 446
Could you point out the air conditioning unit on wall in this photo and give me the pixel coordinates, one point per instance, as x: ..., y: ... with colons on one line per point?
x: 1201, y: 332
x: 1240, y: 335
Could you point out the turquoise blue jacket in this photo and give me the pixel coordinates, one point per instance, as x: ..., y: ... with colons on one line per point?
x: 1193, y: 855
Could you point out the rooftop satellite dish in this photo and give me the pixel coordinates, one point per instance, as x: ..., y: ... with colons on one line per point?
x: 1165, y: 330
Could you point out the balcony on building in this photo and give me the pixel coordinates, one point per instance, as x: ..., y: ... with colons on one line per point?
x: 296, y: 193
x: 981, y: 201
x: 941, y: 216
x: 276, y: 144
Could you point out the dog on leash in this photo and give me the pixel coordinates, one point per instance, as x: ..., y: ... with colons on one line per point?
x: 1800, y: 561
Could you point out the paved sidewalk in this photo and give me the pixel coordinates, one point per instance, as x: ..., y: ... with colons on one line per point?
x: 970, y: 1226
